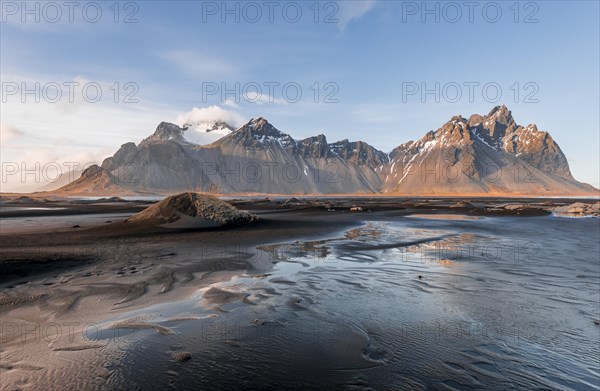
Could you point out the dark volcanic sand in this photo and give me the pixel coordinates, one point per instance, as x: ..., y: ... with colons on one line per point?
x: 405, y: 294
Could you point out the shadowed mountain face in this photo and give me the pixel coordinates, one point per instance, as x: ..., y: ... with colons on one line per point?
x: 484, y: 154
x: 535, y: 147
x: 255, y: 158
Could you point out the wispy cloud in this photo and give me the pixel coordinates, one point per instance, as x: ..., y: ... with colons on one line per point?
x: 352, y: 10
x: 232, y: 104
x: 38, y: 131
x: 260, y: 98
x: 34, y: 169
x: 8, y: 133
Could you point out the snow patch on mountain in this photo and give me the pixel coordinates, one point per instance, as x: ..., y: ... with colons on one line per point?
x: 202, y: 133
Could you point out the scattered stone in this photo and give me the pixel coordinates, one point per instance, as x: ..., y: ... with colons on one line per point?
x: 524, y: 209
x: 514, y: 207
x: 103, y: 372
x: 181, y: 356
x: 579, y: 209
x: 463, y: 205
x: 111, y: 199
x: 356, y: 209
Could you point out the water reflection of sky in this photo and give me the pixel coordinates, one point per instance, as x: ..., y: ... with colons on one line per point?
x: 461, y: 303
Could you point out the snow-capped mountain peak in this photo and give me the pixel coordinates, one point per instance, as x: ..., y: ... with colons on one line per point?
x: 202, y: 133
x: 197, y: 133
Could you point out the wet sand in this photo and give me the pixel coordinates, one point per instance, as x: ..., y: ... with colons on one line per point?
x: 315, y: 296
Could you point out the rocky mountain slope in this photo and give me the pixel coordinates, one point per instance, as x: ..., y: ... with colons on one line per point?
x: 484, y: 154
x: 488, y: 154
x: 256, y: 158
x: 95, y: 180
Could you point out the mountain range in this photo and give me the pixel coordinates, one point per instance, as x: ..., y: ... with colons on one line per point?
x: 484, y: 154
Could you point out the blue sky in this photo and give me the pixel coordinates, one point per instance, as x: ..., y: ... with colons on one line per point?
x: 361, y: 60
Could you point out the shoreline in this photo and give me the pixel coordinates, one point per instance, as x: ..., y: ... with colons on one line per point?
x: 119, y: 283
x: 488, y: 195
x: 85, y: 238
x: 74, y: 282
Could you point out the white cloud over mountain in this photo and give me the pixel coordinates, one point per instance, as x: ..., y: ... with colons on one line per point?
x: 210, y: 114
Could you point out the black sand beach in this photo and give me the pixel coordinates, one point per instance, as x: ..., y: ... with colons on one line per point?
x: 321, y: 293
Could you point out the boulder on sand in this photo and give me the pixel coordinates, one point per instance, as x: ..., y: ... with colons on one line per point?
x: 192, y: 210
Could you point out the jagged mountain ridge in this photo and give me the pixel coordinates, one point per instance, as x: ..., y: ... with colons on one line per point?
x: 484, y: 154
x: 256, y: 158
x: 481, y: 155
x: 500, y: 130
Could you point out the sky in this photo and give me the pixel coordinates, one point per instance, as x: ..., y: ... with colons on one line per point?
x: 80, y: 79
